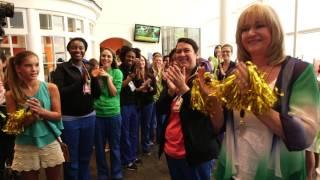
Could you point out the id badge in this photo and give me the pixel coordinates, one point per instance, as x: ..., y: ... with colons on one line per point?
x: 132, y: 86
x: 87, y: 87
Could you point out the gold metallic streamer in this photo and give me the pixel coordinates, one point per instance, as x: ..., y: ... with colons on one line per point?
x: 198, y: 101
x: 257, y: 99
x: 14, y: 124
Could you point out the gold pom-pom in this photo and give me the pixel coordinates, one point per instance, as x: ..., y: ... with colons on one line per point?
x: 14, y: 124
x: 257, y: 99
x: 198, y: 101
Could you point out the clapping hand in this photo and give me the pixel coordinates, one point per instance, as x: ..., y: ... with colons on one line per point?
x: 34, y: 105
x: 171, y: 87
x: 95, y: 72
x: 177, y: 77
x: 145, y: 85
x: 201, y: 80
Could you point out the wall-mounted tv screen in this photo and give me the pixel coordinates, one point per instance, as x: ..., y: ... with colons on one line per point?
x: 146, y: 33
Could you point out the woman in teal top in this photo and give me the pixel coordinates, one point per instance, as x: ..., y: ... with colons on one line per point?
x: 108, y: 117
x: 36, y: 147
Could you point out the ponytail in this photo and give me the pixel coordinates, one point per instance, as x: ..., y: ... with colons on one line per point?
x: 13, y: 79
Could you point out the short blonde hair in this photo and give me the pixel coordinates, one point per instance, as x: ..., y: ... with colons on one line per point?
x: 267, y: 15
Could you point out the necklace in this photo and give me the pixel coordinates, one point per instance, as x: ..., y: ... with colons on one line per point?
x: 267, y: 73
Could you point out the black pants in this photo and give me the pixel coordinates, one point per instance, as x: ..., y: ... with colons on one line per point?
x: 6, y: 145
x: 6, y: 150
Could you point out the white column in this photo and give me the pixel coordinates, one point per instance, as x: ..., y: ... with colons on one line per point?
x: 34, y: 38
x: 295, y: 29
x: 87, y: 36
x: 224, y: 20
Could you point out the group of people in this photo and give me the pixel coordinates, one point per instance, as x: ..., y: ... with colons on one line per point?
x: 105, y: 103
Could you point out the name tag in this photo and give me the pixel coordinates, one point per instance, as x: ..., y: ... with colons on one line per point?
x: 87, y: 87
x: 132, y: 86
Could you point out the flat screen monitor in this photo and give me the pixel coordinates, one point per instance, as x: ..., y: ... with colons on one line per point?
x: 146, y: 33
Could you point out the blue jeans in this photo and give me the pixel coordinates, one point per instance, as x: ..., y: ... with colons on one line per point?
x: 161, y: 118
x: 108, y: 128
x: 78, y: 134
x: 180, y: 169
x: 145, y: 120
x: 153, y: 122
x: 129, y: 134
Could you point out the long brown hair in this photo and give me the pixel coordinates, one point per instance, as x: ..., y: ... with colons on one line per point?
x: 13, y: 78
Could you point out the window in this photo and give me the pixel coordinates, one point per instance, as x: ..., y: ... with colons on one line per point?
x: 48, y: 64
x: 13, y: 44
x: 51, y: 22
x: 71, y: 25
x: 288, y: 40
x: 75, y: 25
x: 306, y: 14
x: 79, y: 26
x: 307, y: 46
x: 5, y: 46
x: 17, y: 20
x: 57, y: 23
x: 53, y: 49
x: 18, y: 44
x: 59, y: 48
x: 172, y: 34
x: 45, y: 21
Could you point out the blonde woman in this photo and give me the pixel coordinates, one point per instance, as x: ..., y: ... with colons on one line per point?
x: 270, y: 145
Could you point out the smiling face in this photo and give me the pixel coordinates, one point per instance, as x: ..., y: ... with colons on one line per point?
x: 142, y: 63
x: 185, y: 56
x: 259, y: 35
x: 106, y: 59
x: 157, y: 61
x: 226, y: 53
x: 255, y: 36
x: 28, y: 70
x: 77, y: 50
x: 130, y: 58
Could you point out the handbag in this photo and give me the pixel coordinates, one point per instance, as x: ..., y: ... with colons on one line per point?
x: 64, y: 146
